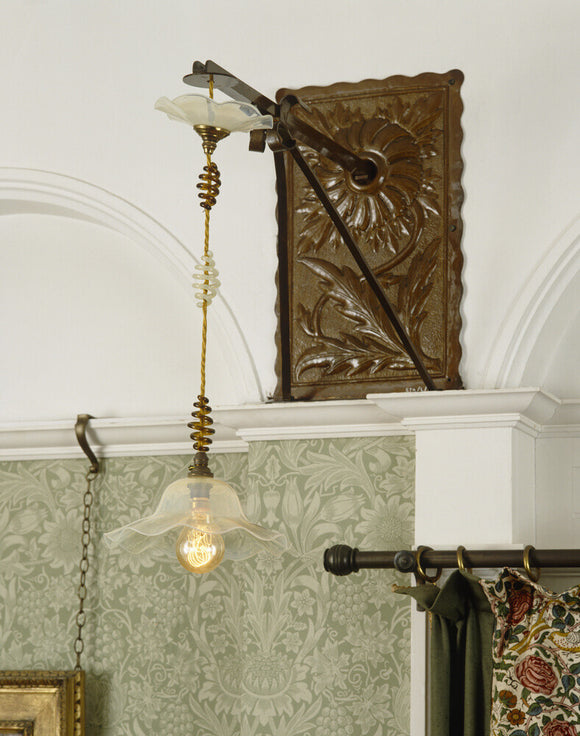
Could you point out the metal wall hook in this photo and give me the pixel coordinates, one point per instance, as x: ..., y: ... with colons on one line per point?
x: 81, y: 434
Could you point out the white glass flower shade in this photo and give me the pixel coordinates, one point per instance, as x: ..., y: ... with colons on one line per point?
x: 205, y: 505
x: 199, y: 110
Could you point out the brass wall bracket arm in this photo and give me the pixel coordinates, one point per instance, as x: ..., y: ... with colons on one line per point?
x: 362, y: 170
x: 81, y: 434
x: 230, y: 85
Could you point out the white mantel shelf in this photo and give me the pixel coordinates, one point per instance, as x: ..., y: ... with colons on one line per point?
x: 531, y: 409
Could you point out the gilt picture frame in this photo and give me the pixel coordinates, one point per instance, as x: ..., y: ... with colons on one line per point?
x: 16, y: 728
x: 42, y: 703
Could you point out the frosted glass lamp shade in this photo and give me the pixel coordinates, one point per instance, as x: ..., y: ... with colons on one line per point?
x: 199, y: 110
x: 205, y: 505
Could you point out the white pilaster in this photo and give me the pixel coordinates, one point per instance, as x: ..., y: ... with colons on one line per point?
x: 475, y: 462
x: 474, y: 484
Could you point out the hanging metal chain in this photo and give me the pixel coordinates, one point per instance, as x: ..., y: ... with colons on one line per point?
x: 81, y: 617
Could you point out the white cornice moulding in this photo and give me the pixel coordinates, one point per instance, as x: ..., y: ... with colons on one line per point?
x: 475, y: 421
x: 531, y: 410
x: 234, y: 428
x: 107, y: 438
x: 531, y: 404
x: 565, y: 422
x: 308, y: 420
x: 263, y: 434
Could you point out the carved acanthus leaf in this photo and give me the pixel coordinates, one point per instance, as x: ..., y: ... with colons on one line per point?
x: 372, y: 344
x: 353, y: 298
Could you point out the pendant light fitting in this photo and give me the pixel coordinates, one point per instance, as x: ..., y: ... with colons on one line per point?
x: 207, y: 511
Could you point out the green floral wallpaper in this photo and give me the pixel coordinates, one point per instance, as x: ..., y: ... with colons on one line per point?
x: 266, y: 647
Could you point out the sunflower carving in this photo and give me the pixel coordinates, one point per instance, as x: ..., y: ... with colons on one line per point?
x: 388, y: 213
x: 339, y: 336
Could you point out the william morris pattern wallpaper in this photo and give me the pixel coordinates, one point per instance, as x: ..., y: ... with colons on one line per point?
x: 259, y: 648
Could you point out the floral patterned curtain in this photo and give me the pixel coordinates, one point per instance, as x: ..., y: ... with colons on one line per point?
x: 536, y: 658
x: 504, y: 657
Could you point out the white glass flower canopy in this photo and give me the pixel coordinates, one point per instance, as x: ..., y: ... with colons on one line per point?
x: 199, y: 110
x: 201, y: 515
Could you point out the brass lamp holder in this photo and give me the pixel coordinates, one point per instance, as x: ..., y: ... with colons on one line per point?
x: 210, y: 136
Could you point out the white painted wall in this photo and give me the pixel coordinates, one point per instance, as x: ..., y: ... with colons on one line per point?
x: 97, y: 316
x: 558, y: 490
x: 78, y: 85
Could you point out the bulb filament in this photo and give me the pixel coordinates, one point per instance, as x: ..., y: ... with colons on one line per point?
x: 200, y: 548
x: 197, y: 550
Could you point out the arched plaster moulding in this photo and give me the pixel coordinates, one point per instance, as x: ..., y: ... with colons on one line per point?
x: 540, y: 303
x: 30, y: 191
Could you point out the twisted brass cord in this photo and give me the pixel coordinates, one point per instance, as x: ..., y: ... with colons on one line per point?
x: 209, y: 189
x: 205, y: 252
x: 204, y: 305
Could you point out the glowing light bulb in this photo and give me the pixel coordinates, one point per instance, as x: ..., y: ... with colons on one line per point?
x: 199, y: 551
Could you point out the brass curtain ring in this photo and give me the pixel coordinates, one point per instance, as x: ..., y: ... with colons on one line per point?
x: 421, y: 571
x: 460, y: 562
x: 533, y: 576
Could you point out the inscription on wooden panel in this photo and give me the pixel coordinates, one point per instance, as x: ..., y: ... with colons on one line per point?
x: 334, y: 341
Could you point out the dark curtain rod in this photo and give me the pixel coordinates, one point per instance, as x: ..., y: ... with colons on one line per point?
x: 342, y: 560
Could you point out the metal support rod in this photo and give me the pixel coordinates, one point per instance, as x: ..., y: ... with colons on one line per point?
x: 342, y: 560
x: 362, y: 170
x: 364, y: 267
x: 283, y: 279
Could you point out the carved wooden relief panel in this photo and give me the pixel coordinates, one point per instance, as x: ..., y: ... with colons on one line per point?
x: 334, y: 341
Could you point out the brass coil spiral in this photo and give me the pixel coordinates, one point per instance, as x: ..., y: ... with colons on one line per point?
x: 202, y: 425
x: 205, y: 280
x: 209, y: 185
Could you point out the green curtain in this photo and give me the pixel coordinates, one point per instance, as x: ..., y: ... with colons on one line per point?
x: 460, y: 655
